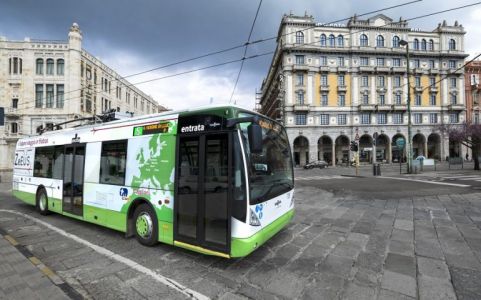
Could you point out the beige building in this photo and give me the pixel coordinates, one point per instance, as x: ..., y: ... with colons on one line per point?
x: 48, y: 82
x: 335, y: 83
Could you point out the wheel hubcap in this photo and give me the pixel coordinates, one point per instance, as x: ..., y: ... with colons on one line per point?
x: 143, y: 224
x: 43, y: 202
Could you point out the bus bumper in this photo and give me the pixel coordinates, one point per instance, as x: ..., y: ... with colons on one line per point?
x: 243, y: 247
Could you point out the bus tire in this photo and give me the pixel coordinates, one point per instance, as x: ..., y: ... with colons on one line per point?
x: 145, y: 225
x: 42, y: 202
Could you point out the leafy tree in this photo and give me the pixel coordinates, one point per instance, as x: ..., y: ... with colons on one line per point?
x: 468, y: 135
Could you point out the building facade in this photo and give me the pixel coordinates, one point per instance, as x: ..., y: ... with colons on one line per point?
x: 331, y: 84
x: 49, y: 82
x: 473, y: 92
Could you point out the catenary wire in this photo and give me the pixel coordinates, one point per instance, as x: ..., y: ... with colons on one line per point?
x: 245, y: 50
x: 211, y: 54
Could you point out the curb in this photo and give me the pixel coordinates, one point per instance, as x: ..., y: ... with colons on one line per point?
x: 54, y: 278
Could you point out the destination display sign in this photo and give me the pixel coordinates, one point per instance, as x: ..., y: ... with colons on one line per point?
x: 151, y: 129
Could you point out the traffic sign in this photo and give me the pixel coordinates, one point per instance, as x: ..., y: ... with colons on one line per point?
x: 400, y: 142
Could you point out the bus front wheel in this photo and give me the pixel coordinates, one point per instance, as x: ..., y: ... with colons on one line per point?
x: 42, y: 202
x: 145, y: 224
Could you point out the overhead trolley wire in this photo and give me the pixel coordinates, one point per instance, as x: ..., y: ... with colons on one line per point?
x: 245, y: 51
x: 207, y: 55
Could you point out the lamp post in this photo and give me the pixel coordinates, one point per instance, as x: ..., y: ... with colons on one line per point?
x: 409, y: 141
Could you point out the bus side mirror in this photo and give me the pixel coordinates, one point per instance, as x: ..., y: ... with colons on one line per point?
x: 254, y: 132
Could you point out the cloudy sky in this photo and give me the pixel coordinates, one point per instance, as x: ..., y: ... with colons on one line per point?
x: 133, y: 36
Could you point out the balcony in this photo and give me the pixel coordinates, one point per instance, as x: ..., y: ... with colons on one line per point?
x: 381, y: 89
x: 383, y: 69
x: 383, y: 107
x: 433, y: 89
x: 401, y: 70
x: 341, y: 88
x: 433, y: 71
x: 324, y: 88
x: 366, y: 69
x: 12, y: 113
x: 301, y: 107
x: 399, y: 107
x: 456, y: 106
x: 300, y: 67
x: 367, y: 107
x: 342, y: 69
x: 324, y: 69
x: 418, y: 89
x: 417, y: 70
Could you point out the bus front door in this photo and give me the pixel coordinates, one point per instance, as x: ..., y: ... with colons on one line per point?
x: 73, y: 177
x: 202, y: 213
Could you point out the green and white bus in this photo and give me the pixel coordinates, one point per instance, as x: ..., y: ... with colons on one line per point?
x: 216, y: 180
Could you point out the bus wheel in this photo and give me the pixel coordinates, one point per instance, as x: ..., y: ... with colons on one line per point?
x: 42, y: 202
x: 145, y: 222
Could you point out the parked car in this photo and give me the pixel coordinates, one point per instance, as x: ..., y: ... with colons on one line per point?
x: 316, y: 164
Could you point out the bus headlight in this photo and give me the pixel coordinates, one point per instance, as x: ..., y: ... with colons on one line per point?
x: 253, y: 219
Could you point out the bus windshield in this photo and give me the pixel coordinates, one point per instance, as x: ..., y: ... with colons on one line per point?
x: 270, y: 171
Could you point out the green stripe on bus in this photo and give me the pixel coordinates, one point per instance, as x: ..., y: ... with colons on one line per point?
x: 26, y: 197
x: 242, y: 247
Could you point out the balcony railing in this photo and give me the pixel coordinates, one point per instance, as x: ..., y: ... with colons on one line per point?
x: 383, y: 107
x: 367, y: 107
x: 341, y: 88
x: 324, y: 88
x: 456, y: 106
x: 400, y: 107
x: 300, y: 67
x: 301, y: 107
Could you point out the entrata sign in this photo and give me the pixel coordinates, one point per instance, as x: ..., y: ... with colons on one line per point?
x: 400, y: 142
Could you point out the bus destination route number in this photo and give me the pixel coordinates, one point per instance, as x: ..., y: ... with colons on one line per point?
x: 151, y: 129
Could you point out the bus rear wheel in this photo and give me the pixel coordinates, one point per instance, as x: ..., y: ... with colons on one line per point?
x: 145, y: 224
x: 42, y: 202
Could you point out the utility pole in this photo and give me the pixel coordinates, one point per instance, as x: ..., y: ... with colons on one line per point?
x: 409, y: 141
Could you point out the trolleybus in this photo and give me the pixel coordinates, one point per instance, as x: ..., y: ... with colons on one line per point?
x: 216, y: 180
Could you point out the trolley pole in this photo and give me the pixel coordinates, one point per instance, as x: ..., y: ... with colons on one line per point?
x: 409, y: 141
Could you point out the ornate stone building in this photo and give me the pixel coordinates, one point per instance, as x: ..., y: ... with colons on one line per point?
x: 48, y: 82
x: 331, y: 84
x: 473, y: 92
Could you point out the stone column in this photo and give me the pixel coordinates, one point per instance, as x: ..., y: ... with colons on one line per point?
x: 333, y: 152
x: 389, y: 152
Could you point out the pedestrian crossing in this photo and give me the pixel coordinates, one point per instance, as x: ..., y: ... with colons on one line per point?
x: 462, y: 177
x: 300, y: 178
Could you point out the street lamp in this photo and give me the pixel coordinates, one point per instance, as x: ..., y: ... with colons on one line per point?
x: 409, y: 142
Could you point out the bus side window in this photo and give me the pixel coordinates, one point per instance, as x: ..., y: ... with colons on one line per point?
x: 113, y: 162
x: 43, y: 162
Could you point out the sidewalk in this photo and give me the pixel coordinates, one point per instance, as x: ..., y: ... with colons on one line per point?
x: 23, y: 276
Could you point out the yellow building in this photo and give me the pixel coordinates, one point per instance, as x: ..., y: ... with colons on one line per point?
x: 331, y: 84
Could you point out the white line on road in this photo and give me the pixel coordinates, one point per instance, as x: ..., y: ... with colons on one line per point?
x: 463, y: 176
x: 101, y: 250
x: 427, y: 181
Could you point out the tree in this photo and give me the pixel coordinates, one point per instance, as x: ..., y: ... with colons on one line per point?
x: 468, y: 135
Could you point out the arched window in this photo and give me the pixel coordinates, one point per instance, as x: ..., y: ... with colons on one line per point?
x: 395, y: 41
x: 423, y: 45
x: 49, y: 66
x: 340, y: 41
x: 363, y: 40
x: 332, y: 40
x: 452, y: 44
x: 431, y: 45
x: 60, y: 66
x: 323, y: 40
x: 416, y: 44
x: 299, y: 37
x: 39, y: 67
x: 379, y: 41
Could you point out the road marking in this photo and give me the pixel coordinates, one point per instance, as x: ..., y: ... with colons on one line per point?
x: 11, y: 240
x: 321, y: 177
x: 426, y: 181
x: 462, y: 176
x: 112, y: 255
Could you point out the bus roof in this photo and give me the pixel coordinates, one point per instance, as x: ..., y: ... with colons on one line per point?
x: 175, y: 114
